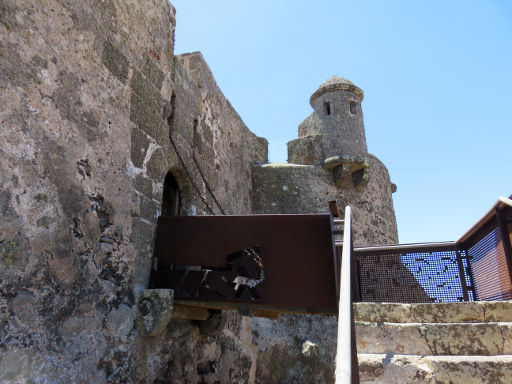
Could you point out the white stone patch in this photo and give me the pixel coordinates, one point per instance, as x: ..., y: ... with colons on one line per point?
x: 149, y: 153
x: 132, y: 170
x: 285, y: 187
x: 166, y: 89
x: 17, y: 145
x: 309, y: 348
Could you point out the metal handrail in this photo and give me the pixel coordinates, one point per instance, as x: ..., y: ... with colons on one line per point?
x: 346, y: 351
x: 409, y: 247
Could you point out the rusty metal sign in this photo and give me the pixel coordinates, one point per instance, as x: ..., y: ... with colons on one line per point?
x: 273, y: 263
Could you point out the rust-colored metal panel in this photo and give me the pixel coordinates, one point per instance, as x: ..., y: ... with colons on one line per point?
x: 281, y: 263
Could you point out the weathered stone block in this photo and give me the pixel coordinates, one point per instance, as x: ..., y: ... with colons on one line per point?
x: 142, y: 234
x: 75, y: 325
x: 120, y: 320
x: 390, y: 338
x: 143, y: 185
x: 115, y: 61
x: 260, y: 151
x: 149, y: 209
x: 146, y: 90
x: 154, y: 311
x: 153, y: 74
x: 383, y: 312
x: 139, y: 146
x: 24, y: 307
x: 307, y: 150
x: 187, y: 100
x: 506, y: 331
x: 380, y: 368
x: 68, y: 102
x: 448, y: 312
x: 198, y: 141
x: 157, y: 166
x: 498, y: 311
x: 207, y: 155
x: 214, y: 325
x: 312, y: 125
x: 207, y: 133
x: 463, y: 339
x: 144, y: 116
x: 281, y: 188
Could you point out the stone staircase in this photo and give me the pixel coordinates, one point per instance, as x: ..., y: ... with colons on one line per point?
x: 441, y: 343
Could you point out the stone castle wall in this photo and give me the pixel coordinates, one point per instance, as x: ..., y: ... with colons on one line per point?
x: 91, y: 92
x: 298, y: 188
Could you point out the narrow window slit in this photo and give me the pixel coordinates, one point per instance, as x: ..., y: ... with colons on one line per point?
x: 353, y: 107
x: 327, y: 108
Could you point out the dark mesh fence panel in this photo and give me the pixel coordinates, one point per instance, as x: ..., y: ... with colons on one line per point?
x: 412, y: 277
x: 438, y: 273
x: 384, y: 278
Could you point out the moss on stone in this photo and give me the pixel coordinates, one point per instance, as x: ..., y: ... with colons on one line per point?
x: 9, y: 249
x: 41, y: 197
x: 43, y: 222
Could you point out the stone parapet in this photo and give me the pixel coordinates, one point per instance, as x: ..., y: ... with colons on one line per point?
x: 306, y: 150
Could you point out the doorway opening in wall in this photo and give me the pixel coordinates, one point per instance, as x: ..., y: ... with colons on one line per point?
x: 171, y: 196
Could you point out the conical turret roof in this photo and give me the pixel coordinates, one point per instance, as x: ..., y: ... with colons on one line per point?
x: 335, y: 83
x: 335, y: 80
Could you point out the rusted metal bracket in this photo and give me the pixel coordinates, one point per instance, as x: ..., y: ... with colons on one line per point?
x: 333, y: 207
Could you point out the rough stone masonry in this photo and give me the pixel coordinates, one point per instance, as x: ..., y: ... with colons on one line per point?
x: 90, y: 92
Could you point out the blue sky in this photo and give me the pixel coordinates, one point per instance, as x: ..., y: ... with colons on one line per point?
x: 436, y: 75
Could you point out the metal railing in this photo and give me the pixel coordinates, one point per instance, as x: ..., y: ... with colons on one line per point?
x: 414, y: 273
x: 488, y: 246
x: 347, y: 367
x: 478, y: 266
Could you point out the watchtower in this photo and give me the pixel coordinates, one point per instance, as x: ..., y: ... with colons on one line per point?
x: 337, y: 105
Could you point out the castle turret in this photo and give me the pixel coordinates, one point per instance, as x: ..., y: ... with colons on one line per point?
x: 330, y: 161
x: 337, y: 104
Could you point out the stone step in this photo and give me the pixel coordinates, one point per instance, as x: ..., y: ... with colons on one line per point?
x: 476, y: 311
x: 409, y: 369
x: 485, y: 339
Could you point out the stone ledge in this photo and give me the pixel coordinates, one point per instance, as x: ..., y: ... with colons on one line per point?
x: 469, y: 312
x: 404, y: 369
x: 435, y: 338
